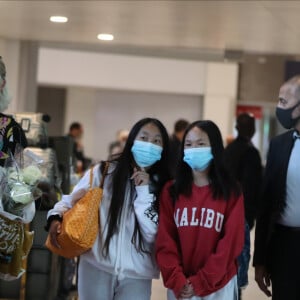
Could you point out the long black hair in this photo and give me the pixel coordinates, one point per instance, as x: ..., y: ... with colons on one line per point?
x: 158, y: 173
x: 222, y: 183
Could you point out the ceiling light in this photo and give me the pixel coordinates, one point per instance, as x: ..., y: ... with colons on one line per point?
x: 105, y: 37
x: 58, y: 19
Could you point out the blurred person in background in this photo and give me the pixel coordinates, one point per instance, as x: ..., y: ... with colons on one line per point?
x: 175, y: 144
x: 115, y: 148
x: 15, y: 239
x: 81, y: 163
x: 244, y: 161
x: 12, y: 136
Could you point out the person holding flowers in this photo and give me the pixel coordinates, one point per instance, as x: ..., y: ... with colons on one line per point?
x: 12, y: 136
x: 17, y: 188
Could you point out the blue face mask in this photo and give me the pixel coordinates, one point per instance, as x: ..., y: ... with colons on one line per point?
x: 146, y: 154
x: 198, y: 158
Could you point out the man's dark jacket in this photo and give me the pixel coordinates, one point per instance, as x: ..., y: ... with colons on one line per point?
x: 273, y: 194
x: 244, y: 162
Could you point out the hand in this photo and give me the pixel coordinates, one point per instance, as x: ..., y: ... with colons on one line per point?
x: 54, y: 231
x: 262, y: 277
x: 187, y: 291
x: 140, y: 177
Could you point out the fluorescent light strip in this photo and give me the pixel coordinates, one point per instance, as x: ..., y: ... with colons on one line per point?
x: 58, y: 19
x: 105, y: 37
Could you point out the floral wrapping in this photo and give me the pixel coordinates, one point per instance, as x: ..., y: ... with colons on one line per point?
x: 18, y: 190
x: 19, y: 184
x: 15, y: 244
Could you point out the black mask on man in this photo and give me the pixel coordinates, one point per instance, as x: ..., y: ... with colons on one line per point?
x: 284, y: 116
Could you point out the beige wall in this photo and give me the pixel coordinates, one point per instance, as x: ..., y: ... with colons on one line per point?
x: 103, y: 112
x: 125, y: 72
x: 260, y: 77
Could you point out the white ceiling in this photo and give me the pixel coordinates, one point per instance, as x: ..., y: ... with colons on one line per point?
x: 187, y: 28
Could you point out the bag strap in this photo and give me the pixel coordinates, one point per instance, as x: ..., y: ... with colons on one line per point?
x: 104, y: 173
x: 91, y: 177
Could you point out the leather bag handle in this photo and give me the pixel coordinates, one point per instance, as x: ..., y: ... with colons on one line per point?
x: 104, y: 173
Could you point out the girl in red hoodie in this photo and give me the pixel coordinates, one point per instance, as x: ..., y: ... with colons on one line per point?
x: 201, y: 222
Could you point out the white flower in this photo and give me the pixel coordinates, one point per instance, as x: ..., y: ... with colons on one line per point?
x: 20, y: 193
x: 31, y: 174
x: 13, y: 174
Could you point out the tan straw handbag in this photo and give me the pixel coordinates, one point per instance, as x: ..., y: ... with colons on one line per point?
x: 80, y: 224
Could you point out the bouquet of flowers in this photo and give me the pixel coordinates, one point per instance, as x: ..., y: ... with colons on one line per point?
x: 18, y: 183
x: 18, y: 190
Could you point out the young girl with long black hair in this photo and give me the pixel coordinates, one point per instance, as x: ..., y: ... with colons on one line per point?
x: 201, y: 221
x: 121, y: 263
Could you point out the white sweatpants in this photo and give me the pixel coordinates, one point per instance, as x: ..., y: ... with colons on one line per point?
x: 228, y: 292
x: 94, y: 284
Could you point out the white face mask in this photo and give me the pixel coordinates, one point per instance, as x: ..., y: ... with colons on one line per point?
x: 198, y: 158
x: 146, y: 154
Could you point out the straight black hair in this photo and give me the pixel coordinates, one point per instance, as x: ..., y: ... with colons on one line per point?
x: 222, y: 183
x: 125, y: 163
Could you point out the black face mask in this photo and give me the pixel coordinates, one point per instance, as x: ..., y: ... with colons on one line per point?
x: 284, y: 116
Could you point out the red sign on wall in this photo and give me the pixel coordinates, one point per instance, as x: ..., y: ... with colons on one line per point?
x: 256, y: 111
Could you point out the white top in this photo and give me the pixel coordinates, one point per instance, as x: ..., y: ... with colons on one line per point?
x: 291, y: 214
x: 123, y: 259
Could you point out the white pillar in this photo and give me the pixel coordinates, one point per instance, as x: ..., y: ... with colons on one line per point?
x: 28, y: 76
x: 220, y: 95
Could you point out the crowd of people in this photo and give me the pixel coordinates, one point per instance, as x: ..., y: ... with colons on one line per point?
x: 183, y: 205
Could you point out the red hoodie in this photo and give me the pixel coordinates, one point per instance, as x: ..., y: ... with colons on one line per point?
x: 199, y: 239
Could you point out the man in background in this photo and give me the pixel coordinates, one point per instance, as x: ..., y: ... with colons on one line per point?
x: 116, y: 148
x: 277, y: 233
x: 175, y: 144
x: 244, y: 162
x: 81, y: 162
